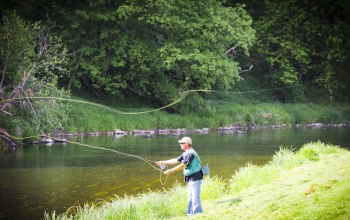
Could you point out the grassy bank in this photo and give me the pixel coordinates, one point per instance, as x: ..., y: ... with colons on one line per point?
x: 312, y: 183
x: 87, y: 118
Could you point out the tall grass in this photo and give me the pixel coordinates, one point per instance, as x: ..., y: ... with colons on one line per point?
x: 286, y: 159
x: 151, y: 205
x: 212, y: 188
x: 250, y: 176
x: 85, y: 117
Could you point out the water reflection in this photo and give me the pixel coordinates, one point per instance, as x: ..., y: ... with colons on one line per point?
x: 41, y: 178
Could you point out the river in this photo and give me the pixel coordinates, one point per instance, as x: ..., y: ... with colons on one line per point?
x: 46, y: 178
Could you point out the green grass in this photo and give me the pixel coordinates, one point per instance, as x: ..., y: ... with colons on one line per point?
x: 217, y: 110
x: 312, y: 183
x: 88, y: 118
x: 240, y: 106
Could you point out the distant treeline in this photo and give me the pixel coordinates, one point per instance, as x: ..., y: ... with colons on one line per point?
x: 147, y: 53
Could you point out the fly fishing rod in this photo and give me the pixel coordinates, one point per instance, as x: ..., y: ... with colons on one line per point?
x: 148, y: 161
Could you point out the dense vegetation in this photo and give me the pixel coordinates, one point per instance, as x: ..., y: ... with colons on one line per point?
x: 218, y: 114
x: 145, y: 54
x: 312, y: 183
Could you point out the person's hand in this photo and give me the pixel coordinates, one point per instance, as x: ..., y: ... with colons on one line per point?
x: 167, y: 172
x: 160, y: 163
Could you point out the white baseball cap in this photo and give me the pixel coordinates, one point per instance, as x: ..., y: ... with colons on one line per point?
x: 186, y: 140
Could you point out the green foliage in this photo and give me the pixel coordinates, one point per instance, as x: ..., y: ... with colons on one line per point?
x: 32, y: 64
x: 3, y: 146
x: 196, y: 102
x: 17, y: 44
x: 34, y: 116
x: 154, y: 49
x: 258, y: 114
x: 157, y: 51
x: 304, y: 42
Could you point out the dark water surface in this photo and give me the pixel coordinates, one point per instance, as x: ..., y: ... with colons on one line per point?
x: 40, y: 178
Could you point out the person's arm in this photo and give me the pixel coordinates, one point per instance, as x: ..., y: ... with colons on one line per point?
x: 177, y: 168
x: 167, y: 162
x: 185, y: 160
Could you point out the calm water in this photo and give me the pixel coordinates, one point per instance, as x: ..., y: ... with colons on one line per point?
x: 35, y: 179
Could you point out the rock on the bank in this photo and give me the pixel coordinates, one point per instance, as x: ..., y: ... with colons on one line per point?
x: 117, y: 131
x: 46, y: 140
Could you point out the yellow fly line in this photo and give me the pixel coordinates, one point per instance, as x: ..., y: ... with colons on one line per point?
x: 150, y: 162
x: 183, y: 96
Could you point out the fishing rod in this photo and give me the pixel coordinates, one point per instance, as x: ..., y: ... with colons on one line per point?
x: 148, y: 161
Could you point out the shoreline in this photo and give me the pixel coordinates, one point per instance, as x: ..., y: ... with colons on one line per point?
x: 181, y: 131
x: 62, y: 136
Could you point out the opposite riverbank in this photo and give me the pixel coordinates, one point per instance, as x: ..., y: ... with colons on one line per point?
x: 87, y: 118
x: 312, y: 183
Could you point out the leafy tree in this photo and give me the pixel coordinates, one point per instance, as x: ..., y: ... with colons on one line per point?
x: 31, y: 61
x: 305, y: 42
x: 16, y: 40
x: 156, y: 49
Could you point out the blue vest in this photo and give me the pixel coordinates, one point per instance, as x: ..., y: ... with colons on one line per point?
x: 194, y: 166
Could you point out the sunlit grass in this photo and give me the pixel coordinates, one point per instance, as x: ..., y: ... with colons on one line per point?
x: 151, y: 205
x: 252, y: 175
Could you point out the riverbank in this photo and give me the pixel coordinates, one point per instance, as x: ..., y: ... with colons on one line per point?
x: 63, y: 137
x: 91, y: 119
x: 84, y: 118
x: 312, y: 183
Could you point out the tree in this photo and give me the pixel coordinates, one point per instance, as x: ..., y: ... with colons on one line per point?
x: 156, y: 49
x: 31, y: 61
x: 305, y: 42
x: 16, y: 40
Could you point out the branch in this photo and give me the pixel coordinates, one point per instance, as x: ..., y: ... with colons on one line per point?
x: 6, y: 112
x: 9, y: 141
x: 246, y: 70
x: 26, y: 75
x: 232, y: 49
x: 236, y: 54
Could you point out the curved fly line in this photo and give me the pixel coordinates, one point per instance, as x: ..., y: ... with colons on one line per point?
x: 182, y: 97
x: 148, y: 161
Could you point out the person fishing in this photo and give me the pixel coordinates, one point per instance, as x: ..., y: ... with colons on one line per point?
x: 192, y: 170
